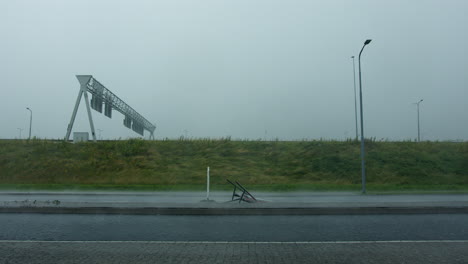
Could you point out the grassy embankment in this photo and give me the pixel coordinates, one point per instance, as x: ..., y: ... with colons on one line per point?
x: 260, y: 165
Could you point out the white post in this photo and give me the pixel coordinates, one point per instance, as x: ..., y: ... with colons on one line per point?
x: 208, y: 183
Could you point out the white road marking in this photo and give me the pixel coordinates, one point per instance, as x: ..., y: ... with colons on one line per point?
x: 241, y: 242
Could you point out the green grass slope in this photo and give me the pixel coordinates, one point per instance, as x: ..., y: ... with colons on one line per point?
x: 283, y: 165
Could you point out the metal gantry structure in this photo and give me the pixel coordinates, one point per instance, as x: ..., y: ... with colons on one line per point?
x: 103, y: 96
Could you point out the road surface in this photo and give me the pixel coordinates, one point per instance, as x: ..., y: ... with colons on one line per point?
x: 42, y: 238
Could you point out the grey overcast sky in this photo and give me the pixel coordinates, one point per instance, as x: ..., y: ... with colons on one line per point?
x: 248, y: 69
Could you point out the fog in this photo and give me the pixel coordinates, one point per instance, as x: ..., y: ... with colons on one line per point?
x: 260, y: 69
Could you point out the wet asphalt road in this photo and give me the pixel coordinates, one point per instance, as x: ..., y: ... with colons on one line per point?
x: 232, y: 228
x: 42, y: 238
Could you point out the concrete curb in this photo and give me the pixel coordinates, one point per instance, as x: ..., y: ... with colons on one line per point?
x: 240, y: 211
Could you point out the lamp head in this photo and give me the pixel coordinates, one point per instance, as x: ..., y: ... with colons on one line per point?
x: 352, y: 57
x: 367, y: 41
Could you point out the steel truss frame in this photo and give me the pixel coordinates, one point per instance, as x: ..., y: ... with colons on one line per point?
x: 103, y: 95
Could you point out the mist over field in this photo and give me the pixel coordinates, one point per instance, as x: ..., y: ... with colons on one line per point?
x: 246, y: 69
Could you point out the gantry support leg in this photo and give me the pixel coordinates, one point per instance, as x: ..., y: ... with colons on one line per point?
x: 70, y: 125
x: 90, y: 117
x: 83, y: 79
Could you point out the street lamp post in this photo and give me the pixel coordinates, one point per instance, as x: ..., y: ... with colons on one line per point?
x: 355, y: 102
x: 30, y: 122
x: 419, y: 135
x: 363, y: 161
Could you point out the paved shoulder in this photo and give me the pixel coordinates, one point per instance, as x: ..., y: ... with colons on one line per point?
x: 189, y: 203
x: 239, y: 252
